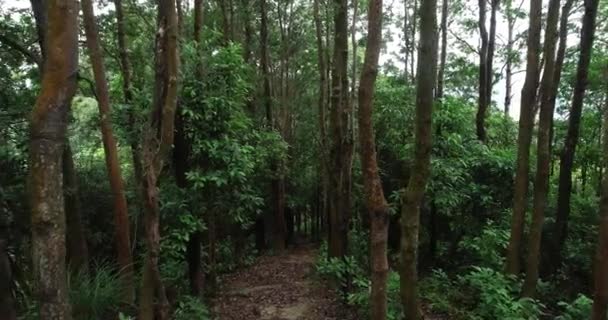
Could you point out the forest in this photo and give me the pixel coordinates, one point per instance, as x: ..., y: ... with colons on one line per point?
x: 304, y: 159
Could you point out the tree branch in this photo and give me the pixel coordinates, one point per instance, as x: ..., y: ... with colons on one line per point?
x: 29, y: 55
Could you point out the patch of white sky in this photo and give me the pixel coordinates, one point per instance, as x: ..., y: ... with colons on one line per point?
x: 393, y: 47
x: 459, y: 37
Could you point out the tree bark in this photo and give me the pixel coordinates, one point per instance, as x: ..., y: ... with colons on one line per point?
x: 482, y: 103
x: 524, y: 139
x: 121, y: 215
x: 158, y: 140
x: 412, y: 197
x: 48, y: 125
x: 76, y: 242
x: 567, y: 157
x: 7, y: 302
x: 277, y: 183
x: 375, y: 200
x: 541, y: 184
x: 444, y: 49
x: 322, y: 110
x: 509, y: 59
x: 341, y: 148
x: 600, y: 276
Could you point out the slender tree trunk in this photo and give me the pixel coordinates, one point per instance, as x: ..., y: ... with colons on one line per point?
x: 420, y: 171
x: 158, y: 140
x: 406, y: 38
x: 277, y: 184
x: 413, y: 45
x: 495, y: 4
x: 125, y: 70
x: 353, y: 40
x: 567, y: 157
x: 482, y: 103
x: 444, y: 49
x: 7, y: 302
x: 374, y: 195
x: 322, y: 109
x: 48, y: 127
x: 524, y: 139
x: 341, y: 139
x: 121, y: 215
x: 600, y: 276
x: 182, y: 166
x: 541, y: 184
x: 76, y: 242
x: 509, y: 59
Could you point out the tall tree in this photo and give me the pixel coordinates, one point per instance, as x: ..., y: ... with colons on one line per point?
x: 420, y: 171
x: 600, y: 276
x: 511, y: 18
x: 486, y: 59
x: 277, y: 184
x: 374, y: 195
x: 48, y: 125
x: 322, y: 111
x: 158, y: 140
x: 543, y: 153
x: 341, y: 149
x: 524, y: 139
x: 566, y: 163
x: 76, y: 242
x: 444, y: 49
x: 121, y: 215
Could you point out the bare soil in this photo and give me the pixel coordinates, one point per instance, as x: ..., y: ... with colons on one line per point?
x: 279, y: 287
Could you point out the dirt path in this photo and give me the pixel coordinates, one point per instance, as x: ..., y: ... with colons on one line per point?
x: 279, y: 287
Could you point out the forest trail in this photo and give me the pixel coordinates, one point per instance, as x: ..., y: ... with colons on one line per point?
x: 279, y: 287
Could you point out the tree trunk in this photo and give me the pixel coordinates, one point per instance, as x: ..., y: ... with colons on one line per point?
x: 125, y: 70
x: 444, y: 49
x: 277, y: 184
x: 121, y: 215
x: 48, y: 127
x: 353, y: 40
x: 482, y: 103
x: 7, y: 302
x: 509, y: 59
x: 158, y: 140
x: 495, y: 4
x: 524, y: 139
x: 322, y: 109
x: 76, y: 242
x: 600, y: 276
x: 414, y: 192
x: 541, y: 184
x: 341, y: 148
x: 567, y: 157
x: 374, y: 195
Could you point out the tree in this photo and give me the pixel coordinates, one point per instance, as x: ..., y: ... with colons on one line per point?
x: 486, y: 59
x: 341, y: 148
x: 277, y: 184
x: 156, y: 147
x: 48, y: 126
x: 444, y: 49
x: 524, y: 139
x: 375, y: 201
x: 420, y: 170
x: 600, y: 276
x: 76, y: 241
x: 567, y: 156
x: 543, y: 155
x: 121, y: 215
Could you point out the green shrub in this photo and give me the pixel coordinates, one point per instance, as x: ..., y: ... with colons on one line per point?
x: 492, y: 295
x: 580, y: 308
x: 189, y: 308
x: 94, y: 296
